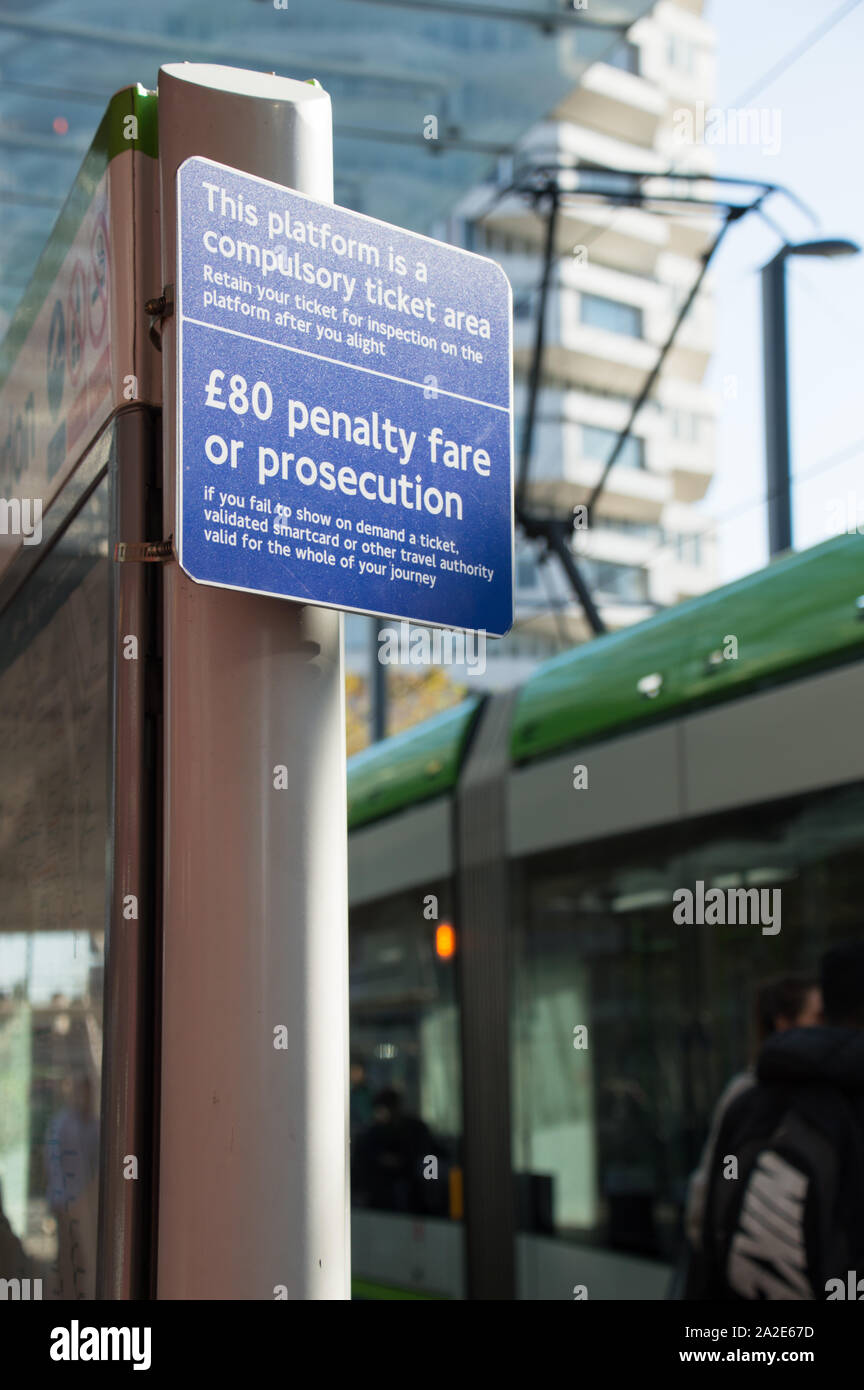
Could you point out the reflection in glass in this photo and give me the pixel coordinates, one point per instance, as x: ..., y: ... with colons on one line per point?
x: 53, y: 828
x: 607, y: 1134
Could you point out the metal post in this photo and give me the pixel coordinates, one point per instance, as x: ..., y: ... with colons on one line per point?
x: 253, y: 1150
x: 776, y: 389
x: 131, y: 974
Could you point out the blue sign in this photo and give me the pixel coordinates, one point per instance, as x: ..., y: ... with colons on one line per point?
x: 344, y: 408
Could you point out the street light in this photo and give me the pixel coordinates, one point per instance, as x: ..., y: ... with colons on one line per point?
x: 776, y: 383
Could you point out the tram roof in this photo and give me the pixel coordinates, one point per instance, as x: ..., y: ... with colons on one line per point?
x: 800, y: 614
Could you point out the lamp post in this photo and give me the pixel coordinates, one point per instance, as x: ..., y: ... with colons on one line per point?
x: 776, y: 383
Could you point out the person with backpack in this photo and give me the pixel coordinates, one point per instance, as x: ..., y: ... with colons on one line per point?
x: 784, y: 1208
x: 784, y: 1001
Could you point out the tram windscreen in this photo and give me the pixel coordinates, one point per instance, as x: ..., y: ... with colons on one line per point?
x: 54, y: 722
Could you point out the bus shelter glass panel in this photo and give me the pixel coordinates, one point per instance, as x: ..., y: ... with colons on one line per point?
x: 54, y: 719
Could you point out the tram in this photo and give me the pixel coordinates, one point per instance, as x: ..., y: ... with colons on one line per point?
x: 550, y: 827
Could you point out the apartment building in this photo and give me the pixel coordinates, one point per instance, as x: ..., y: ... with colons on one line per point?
x: 620, y: 276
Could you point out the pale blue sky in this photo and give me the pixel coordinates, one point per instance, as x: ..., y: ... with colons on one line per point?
x: 821, y: 111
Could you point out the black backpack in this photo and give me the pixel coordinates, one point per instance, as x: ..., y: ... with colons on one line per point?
x: 793, y: 1217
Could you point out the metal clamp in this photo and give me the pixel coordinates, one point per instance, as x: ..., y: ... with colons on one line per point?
x: 160, y: 309
x: 144, y: 552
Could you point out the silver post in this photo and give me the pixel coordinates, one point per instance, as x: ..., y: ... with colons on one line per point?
x: 253, y: 1146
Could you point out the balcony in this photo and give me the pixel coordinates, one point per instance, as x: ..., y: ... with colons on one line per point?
x: 692, y: 238
x: 577, y: 144
x: 690, y: 480
x: 617, y: 103
x: 600, y: 542
x: 630, y: 242
x: 691, y: 353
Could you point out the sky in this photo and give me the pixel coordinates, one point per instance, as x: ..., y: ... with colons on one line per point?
x: 820, y: 121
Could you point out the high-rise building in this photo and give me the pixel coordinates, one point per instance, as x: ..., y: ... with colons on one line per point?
x: 620, y: 275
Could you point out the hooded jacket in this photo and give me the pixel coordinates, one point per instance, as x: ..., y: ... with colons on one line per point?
x: 814, y: 1056
x: 784, y: 1212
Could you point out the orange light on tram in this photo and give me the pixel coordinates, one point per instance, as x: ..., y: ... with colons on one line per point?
x: 445, y: 941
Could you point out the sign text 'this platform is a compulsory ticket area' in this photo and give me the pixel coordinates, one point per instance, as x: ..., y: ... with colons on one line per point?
x: 344, y: 402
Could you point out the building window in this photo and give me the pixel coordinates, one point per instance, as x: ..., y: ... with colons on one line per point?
x: 611, y: 315
x: 598, y: 444
x: 489, y: 239
x: 624, y: 55
x: 616, y: 583
x: 684, y: 425
x: 602, y: 181
x: 689, y: 549
x: 523, y: 303
x: 642, y: 530
x: 527, y: 572
x: 681, y: 54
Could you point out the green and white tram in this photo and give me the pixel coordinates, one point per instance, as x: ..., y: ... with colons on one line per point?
x: 737, y: 771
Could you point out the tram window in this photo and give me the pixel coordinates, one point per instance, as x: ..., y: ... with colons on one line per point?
x: 53, y: 833
x: 405, y: 1108
x: 609, y: 1125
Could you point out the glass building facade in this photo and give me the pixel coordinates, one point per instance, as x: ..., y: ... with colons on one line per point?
x: 426, y: 97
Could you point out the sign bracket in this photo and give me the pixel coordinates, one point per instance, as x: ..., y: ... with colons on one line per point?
x: 159, y: 309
